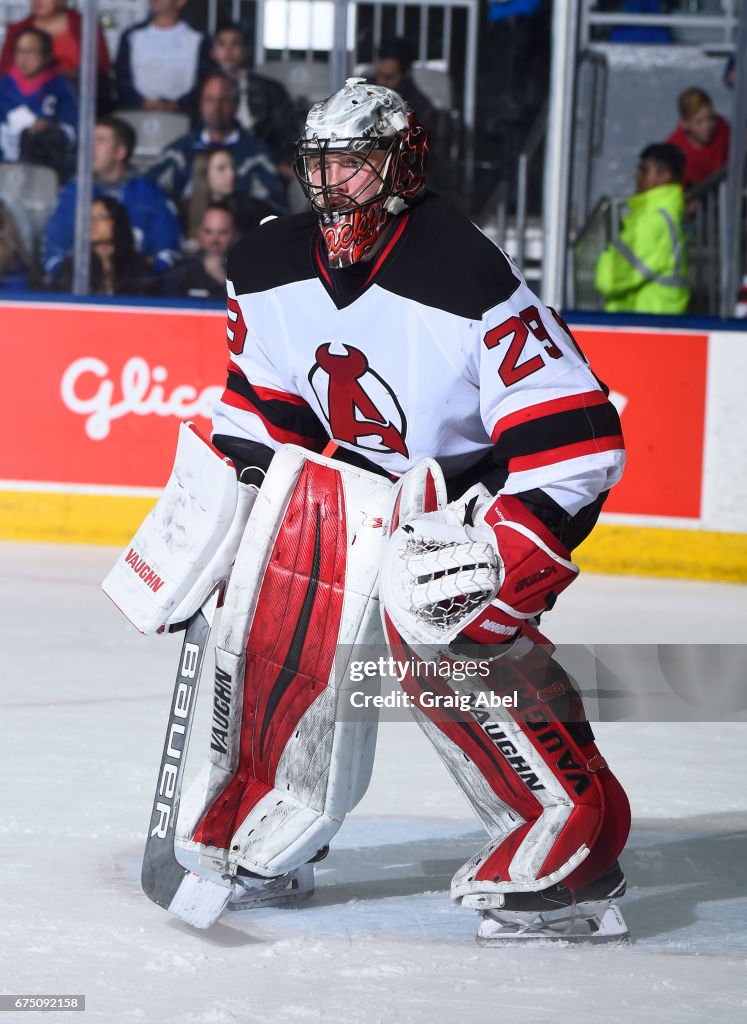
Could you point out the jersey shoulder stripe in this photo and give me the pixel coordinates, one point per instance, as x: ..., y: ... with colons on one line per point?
x: 565, y: 403
x: 552, y: 456
x: 557, y: 430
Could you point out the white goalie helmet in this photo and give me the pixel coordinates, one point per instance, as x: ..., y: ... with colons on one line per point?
x: 361, y: 162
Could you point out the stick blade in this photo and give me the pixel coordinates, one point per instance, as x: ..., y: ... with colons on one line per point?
x: 199, y: 901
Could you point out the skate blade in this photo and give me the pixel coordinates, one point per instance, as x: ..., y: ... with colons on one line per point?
x: 278, y: 892
x: 289, y: 899
x: 608, y: 928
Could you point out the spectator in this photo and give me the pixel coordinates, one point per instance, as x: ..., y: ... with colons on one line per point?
x: 394, y: 70
x: 702, y: 135
x: 161, y: 61
x: 264, y: 106
x: 641, y: 33
x: 117, y: 268
x: 16, y: 247
x: 66, y: 28
x: 38, y: 113
x: 153, y: 221
x: 256, y: 173
x: 214, y: 181
x: 203, y: 275
x: 644, y: 270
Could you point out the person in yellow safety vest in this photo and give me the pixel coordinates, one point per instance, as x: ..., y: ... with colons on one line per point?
x: 644, y: 270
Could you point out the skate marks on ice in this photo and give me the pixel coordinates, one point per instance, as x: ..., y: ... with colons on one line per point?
x: 389, y: 877
x: 687, y: 884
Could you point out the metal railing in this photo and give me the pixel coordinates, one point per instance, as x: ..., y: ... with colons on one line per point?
x: 591, y: 80
x: 535, y: 140
x: 705, y: 231
x: 707, y: 241
x: 720, y: 26
x: 602, y: 226
x: 429, y: 25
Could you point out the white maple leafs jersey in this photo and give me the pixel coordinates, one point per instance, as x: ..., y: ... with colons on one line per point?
x: 437, y: 348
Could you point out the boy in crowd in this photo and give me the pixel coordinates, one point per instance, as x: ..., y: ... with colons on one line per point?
x: 702, y: 135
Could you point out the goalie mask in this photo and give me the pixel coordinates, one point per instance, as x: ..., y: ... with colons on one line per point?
x: 361, y: 162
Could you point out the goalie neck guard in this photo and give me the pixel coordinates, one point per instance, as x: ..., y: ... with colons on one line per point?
x: 360, y: 162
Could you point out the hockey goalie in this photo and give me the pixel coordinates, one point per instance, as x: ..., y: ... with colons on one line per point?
x: 473, y: 449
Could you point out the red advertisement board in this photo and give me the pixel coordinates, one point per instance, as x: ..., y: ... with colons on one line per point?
x: 658, y: 382
x: 94, y: 394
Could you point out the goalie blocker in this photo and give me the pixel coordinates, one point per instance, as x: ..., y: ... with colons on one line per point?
x: 555, y: 813
x: 186, y: 545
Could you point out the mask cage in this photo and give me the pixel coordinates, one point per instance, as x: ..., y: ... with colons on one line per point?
x: 355, y: 154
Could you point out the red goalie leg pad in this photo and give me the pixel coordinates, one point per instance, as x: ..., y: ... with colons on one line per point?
x: 540, y: 759
x: 557, y: 690
x: 551, y: 714
x: 291, y: 644
x: 611, y: 837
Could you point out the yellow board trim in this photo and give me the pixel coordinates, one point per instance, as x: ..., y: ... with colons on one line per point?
x: 74, y: 518
x: 679, y: 554
x: 60, y: 518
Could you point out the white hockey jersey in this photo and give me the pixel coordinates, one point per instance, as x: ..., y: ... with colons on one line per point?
x: 437, y: 348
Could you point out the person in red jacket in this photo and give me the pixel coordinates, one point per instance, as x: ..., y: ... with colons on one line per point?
x: 65, y: 26
x: 702, y: 135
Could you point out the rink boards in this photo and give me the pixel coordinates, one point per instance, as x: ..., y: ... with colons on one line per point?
x: 92, y: 394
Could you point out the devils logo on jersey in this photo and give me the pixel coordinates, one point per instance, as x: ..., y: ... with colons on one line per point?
x: 359, y: 405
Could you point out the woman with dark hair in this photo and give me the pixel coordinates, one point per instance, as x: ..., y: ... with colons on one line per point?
x: 38, y: 113
x: 214, y: 181
x: 117, y: 268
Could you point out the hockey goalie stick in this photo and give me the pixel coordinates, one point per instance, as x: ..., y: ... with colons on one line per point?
x: 196, y: 900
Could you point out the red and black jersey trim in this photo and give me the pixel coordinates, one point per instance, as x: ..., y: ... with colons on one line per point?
x: 557, y: 436
x: 287, y: 418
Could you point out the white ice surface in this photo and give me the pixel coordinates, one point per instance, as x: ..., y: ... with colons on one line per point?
x: 84, y: 704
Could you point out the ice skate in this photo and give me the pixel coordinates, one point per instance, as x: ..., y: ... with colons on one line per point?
x: 251, y: 892
x: 556, y: 914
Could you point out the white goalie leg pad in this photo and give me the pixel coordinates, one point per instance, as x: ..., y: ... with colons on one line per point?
x: 187, y: 543
x: 284, y: 769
